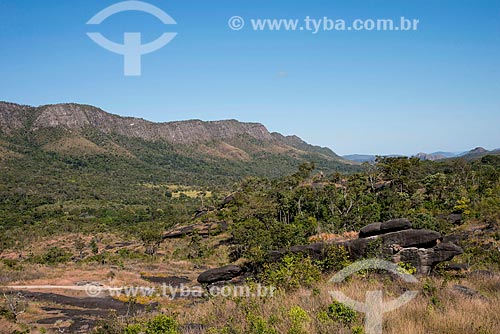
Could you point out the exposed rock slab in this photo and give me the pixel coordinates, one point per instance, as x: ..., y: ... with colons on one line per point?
x: 220, y: 274
x: 424, y: 260
x: 468, y: 292
x: 412, y: 238
x: 316, y: 251
x: 392, y: 225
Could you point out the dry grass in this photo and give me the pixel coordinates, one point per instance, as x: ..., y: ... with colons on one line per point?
x: 443, y: 312
x: 329, y: 237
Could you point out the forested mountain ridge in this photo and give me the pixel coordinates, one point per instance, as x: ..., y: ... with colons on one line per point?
x: 80, y: 154
x: 81, y: 130
x: 227, y: 139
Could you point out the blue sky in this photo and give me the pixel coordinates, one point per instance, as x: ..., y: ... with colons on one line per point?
x: 437, y: 88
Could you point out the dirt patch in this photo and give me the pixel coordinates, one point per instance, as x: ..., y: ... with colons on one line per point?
x: 81, y: 313
x: 106, y: 303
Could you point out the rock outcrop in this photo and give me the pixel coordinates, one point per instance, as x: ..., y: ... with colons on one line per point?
x: 424, y: 259
x: 393, y: 240
x: 220, y: 274
x: 392, y: 225
x: 396, y: 240
x: 468, y: 292
x: 76, y: 126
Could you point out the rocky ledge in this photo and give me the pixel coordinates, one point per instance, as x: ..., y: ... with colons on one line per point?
x: 394, y: 240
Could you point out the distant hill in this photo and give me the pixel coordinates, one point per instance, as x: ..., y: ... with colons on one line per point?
x: 360, y: 158
x: 478, y: 152
x: 191, y: 151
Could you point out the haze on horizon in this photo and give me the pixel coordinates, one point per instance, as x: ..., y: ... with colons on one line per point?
x: 435, y: 89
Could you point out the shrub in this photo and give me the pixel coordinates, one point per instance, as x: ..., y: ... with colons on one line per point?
x: 341, y: 312
x: 13, y: 264
x: 298, y: 318
x: 53, y: 255
x: 291, y: 272
x: 357, y: 330
x: 259, y: 325
x: 336, y: 258
x: 374, y: 248
x: 133, y: 329
x: 406, y: 268
x: 161, y: 324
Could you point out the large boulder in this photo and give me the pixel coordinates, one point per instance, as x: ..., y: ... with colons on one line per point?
x: 391, y: 239
x: 370, y: 230
x: 425, y: 259
x: 468, y: 292
x: 357, y: 247
x: 391, y: 243
x: 315, y: 251
x: 220, y: 274
x: 411, y: 238
x: 392, y: 225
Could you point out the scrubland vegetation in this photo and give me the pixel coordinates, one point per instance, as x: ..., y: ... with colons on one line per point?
x: 74, y: 221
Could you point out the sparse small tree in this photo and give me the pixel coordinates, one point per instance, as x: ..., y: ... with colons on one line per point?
x: 151, y: 238
x: 94, y: 247
x: 15, y: 303
x: 80, y: 247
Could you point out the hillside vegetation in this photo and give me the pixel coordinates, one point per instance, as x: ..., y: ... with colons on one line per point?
x: 82, y: 204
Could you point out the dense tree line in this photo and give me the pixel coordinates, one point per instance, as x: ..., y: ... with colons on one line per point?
x: 270, y: 214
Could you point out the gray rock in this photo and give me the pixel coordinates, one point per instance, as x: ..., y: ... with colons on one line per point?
x: 315, y: 251
x: 468, y: 292
x: 455, y: 218
x: 220, y: 274
x: 411, y: 238
x: 392, y: 225
x: 77, y: 117
x: 424, y: 260
x: 370, y: 230
x: 357, y: 247
x: 392, y: 239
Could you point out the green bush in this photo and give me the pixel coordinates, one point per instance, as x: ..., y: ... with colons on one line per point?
x: 53, y: 255
x: 335, y: 258
x: 374, y: 248
x: 406, y: 268
x: 162, y: 324
x: 291, y: 272
x: 341, y: 312
x: 259, y: 325
x: 357, y: 330
x: 7, y: 314
x: 13, y: 264
x: 133, y: 329
x: 298, y: 318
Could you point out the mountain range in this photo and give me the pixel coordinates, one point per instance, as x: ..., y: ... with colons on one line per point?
x: 440, y: 155
x: 179, y: 150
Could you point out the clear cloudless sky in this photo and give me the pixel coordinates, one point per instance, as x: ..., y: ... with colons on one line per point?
x: 437, y: 88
